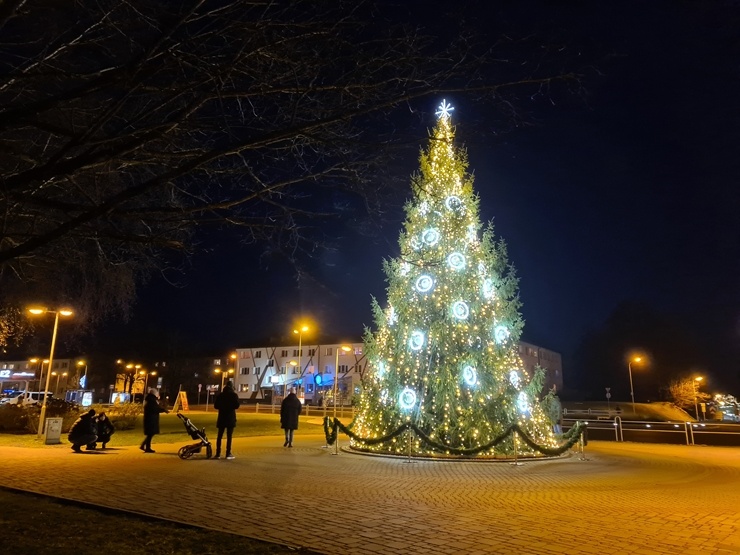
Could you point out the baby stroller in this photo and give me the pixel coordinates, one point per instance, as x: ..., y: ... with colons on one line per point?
x: 190, y: 450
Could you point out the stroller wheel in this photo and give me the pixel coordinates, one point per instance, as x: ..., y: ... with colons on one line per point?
x: 209, y: 451
x: 185, y: 452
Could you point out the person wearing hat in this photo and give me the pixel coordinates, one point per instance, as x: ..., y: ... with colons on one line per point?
x: 290, y: 408
x: 151, y: 419
x: 226, y: 404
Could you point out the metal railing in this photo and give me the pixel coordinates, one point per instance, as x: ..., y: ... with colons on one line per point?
x: 691, y: 431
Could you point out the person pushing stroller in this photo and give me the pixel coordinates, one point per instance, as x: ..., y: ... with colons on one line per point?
x: 226, y: 403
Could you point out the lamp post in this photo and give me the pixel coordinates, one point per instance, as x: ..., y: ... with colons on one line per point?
x: 56, y: 385
x: 294, y: 364
x: 632, y: 391
x: 41, y: 369
x: 696, y: 405
x: 346, y: 349
x: 133, y: 370
x: 146, y: 375
x: 80, y: 364
x: 56, y: 313
x: 235, y: 359
x: 223, y: 373
x: 300, y: 332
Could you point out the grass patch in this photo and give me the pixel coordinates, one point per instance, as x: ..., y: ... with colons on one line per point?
x: 173, y: 431
x: 37, y: 525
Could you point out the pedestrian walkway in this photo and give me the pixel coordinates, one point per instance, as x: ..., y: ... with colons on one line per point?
x: 626, y: 498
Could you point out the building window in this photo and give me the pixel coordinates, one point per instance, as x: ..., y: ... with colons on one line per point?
x: 328, y: 351
x: 343, y: 368
x: 271, y: 362
x: 327, y: 369
x: 284, y: 353
x: 256, y: 370
x: 295, y: 370
x: 312, y: 352
x: 296, y: 351
x: 258, y: 354
x: 244, y: 387
x: 254, y: 388
x: 244, y: 371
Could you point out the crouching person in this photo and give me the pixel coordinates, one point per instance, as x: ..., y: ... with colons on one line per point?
x: 105, y: 429
x: 83, y: 431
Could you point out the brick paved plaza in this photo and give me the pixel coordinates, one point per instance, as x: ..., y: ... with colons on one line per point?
x: 626, y: 498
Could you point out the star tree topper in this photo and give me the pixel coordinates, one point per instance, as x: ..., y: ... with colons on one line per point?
x: 444, y: 110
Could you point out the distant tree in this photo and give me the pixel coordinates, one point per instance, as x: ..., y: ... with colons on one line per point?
x: 128, y: 126
x: 684, y: 393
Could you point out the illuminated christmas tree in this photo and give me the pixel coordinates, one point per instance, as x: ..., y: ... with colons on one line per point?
x: 445, y: 353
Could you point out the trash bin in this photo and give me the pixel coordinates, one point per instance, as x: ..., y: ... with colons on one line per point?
x: 53, y: 431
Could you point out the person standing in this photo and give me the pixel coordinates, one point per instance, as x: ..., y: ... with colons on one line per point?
x: 83, y: 431
x: 226, y: 403
x: 290, y: 408
x: 151, y: 420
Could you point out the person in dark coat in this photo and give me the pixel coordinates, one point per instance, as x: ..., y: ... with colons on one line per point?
x: 290, y: 408
x: 83, y: 432
x: 226, y: 404
x: 151, y: 420
x: 105, y: 429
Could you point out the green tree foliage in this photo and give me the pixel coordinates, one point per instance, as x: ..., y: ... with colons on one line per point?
x: 445, y: 353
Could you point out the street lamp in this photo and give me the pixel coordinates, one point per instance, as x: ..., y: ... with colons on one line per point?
x: 223, y: 373
x: 80, y: 364
x: 346, y: 349
x: 294, y: 364
x: 632, y: 391
x: 300, y: 331
x: 41, y: 369
x: 146, y: 375
x: 56, y: 386
x: 696, y: 383
x: 60, y: 312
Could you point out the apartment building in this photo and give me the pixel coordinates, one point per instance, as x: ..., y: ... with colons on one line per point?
x: 264, y: 374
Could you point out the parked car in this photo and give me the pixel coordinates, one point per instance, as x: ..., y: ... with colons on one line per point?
x: 26, y: 398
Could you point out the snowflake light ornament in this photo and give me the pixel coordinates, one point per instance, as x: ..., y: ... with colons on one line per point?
x: 416, y: 341
x: 460, y: 310
x: 407, y: 398
x: 470, y: 375
x: 456, y: 261
x: 444, y: 110
x: 424, y: 283
x: 501, y: 334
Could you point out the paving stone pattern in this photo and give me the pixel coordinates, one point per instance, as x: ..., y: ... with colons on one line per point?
x: 627, y: 498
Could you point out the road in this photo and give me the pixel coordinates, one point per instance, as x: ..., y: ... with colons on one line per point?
x: 626, y: 498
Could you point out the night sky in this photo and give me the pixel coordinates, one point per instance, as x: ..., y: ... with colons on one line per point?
x: 625, y: 192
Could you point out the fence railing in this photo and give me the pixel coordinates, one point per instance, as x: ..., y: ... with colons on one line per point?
x: 691, y: 432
